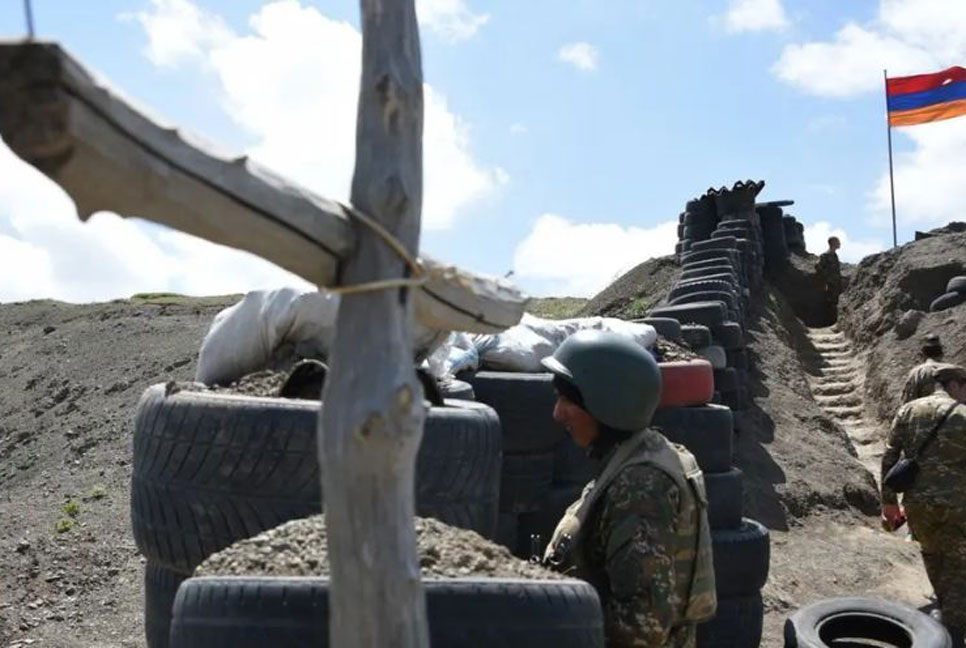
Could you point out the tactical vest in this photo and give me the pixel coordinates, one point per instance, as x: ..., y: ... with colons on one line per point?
x: 693, y: 551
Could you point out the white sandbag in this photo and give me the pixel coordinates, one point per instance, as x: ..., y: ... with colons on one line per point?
x: 244, y: 337
x: 457, y: 353
x: 521, y: 347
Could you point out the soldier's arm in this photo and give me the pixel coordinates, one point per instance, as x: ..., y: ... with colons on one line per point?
x: 909, y: 387
x: 637, y: 529
x: 893, y: 451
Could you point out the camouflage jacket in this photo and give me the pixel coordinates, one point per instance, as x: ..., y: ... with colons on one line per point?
x: 639, y: 549
x: 942, y: 466
x: 829, y: 269
x: 920, y: 381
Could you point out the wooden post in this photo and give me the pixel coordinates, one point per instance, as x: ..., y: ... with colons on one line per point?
x: 372, y: 414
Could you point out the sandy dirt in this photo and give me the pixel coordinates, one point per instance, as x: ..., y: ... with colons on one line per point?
x: 71, y: 376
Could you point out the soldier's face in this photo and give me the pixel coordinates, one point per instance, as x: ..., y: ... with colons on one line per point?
x: 957, y: 390
x: 580, y: 425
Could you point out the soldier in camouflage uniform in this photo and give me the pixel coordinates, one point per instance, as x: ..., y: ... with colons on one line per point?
x: 936, y: 503
x: 639, y: 532
x: 829, y: 272
x: 921, y: 379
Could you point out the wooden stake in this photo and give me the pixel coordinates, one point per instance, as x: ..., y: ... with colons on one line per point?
x: 372, y: 415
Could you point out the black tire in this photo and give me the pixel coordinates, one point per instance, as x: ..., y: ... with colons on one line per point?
x: 723, y: 272
x: 705, y: 430
x: 956, y: 284
x: 506, y: 530
x: 212, y: 469
x: 725, y: 491
x: 160, y: 587
x: 700, y: 285
x: 729, y: 335
x: 737, y: 358
x: 726, y: 297
x: 524, y: 402
x: 725, y: 380
x: 714, y: 354
x: 706, y: 313
x: 881, y: 623
x: 948, y: 300
x: 708, y: 255
x: 727, y: 278
x: 741, y: 558
x: 525, y: 481
x: 737, y: 624
x: 696, y: 336
x: 457, y: 390
x: 732, y: 399
x: 669, y: 329
x: 571, y: 465
x: 238, y: 612
x: 733, y: 232
x: 711, y: 263
x: 716, y: 244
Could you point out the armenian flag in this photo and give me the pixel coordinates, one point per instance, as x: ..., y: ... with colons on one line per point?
x: 926, y: 98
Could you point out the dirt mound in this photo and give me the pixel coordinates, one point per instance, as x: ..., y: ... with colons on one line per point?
x: 885, y: 311
x: 796, y: 460
x: 298, y: 548
x: 637, y: 291
x: 70, y: 377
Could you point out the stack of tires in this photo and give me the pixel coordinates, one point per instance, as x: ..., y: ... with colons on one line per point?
x: 773, y: 239
x: 794, y: 233
x: 543, y: 470
x: 723, y: 251
x: 718, y: 276
x: 954, y: 296
x: 212, y: 469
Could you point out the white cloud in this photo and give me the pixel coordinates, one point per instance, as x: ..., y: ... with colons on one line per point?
x: 178, y: 31
x: 906, y: 37
x: 579, y: 259
x: 451, y: 19
x: 582, y: 56
x: 930, y: 190
x: 816, y: 242
x: 45, y: 251
x: 755, y: 16
x: 519, y: 129
x: 293, y: 83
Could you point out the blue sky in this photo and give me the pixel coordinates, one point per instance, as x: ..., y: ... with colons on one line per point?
x: 563, y: 138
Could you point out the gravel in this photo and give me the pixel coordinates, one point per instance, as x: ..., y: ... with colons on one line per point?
x: 298, y: 548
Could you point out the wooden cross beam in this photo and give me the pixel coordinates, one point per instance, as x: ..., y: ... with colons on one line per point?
x: 108, y: 155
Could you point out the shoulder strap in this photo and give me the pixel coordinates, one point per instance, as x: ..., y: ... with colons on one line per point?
x: 613, y: 467
x: 935, y: 430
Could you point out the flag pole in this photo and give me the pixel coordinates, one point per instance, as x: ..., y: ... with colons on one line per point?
x: 29, y: 15
x: 892, y: 186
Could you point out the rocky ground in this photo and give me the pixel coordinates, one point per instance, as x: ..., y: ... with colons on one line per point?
x: 71, y: 376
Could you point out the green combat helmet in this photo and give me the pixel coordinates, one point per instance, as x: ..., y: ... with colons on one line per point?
x: 619, y: 381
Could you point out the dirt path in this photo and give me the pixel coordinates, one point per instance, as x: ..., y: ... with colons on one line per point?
x: 838, y: 390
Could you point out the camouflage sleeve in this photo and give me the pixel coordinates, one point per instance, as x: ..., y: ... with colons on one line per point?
x: 909, y: 388
x: 893, y: 451
x: 638, y: 531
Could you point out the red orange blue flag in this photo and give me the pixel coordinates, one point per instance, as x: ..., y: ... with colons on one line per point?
x: 926, y: 98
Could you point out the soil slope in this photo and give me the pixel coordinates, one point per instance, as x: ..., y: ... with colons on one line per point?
x: 70, y: 377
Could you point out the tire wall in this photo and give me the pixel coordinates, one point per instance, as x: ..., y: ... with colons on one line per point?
x: 729, y: 243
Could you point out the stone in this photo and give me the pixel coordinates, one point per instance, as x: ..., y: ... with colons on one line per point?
x: 908, y: 323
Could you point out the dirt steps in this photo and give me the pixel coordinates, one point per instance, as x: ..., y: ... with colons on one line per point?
x: 838, y: 390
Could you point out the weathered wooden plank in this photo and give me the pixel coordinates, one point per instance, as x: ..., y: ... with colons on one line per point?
x: 372, y: 412
x: 109, y: 155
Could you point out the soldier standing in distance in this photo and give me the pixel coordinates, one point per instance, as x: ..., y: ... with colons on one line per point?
x: 921, y: 380
x: 934, y: 504
x: 829, y: 272
x: 639, y: 532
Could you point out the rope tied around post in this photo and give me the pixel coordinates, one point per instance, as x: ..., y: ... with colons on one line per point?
x: 419, y: 275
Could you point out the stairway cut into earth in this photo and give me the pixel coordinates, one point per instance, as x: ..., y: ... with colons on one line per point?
x: 838, y: 390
